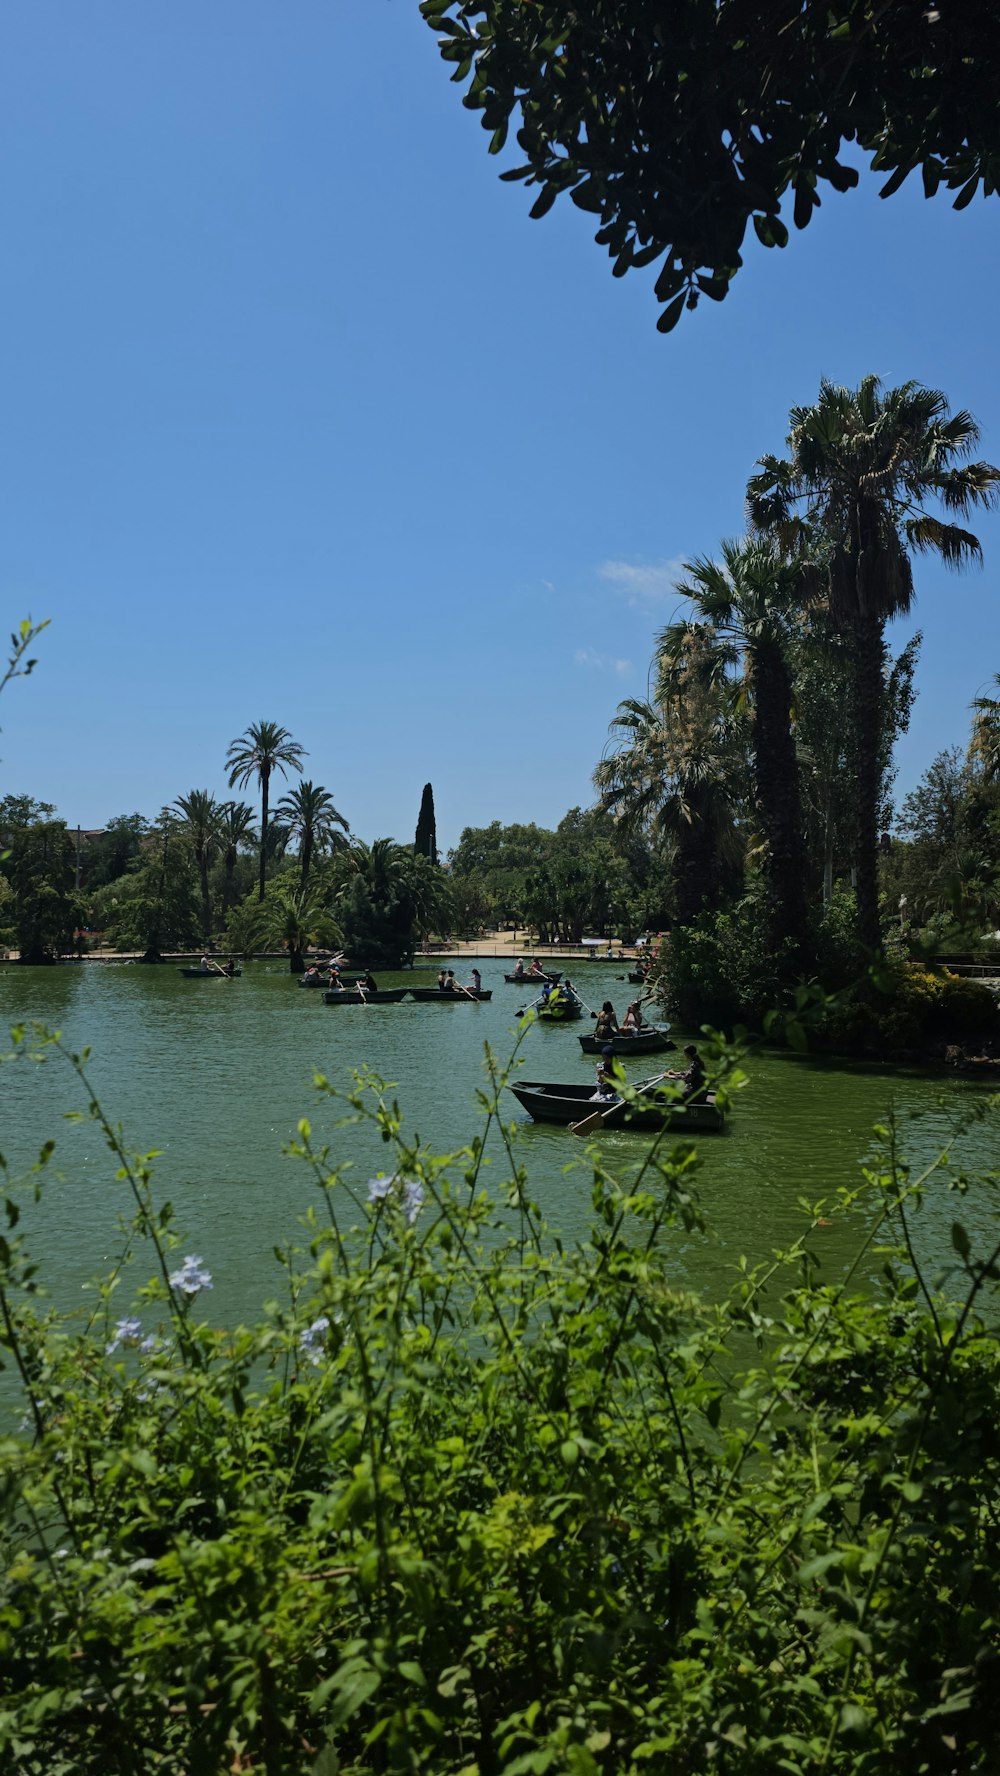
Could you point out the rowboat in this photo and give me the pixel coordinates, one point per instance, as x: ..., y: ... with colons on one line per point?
x: 647, y: 1042
x: 532, y: 980
x: 351, y: 996
x: 562, y: 1011
x: 210, y: 973
x: 636, y: 979
x: 571, y: 1103
x: 435, y: 995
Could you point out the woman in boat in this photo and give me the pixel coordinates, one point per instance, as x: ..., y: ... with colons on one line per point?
x: 476, y: 983
x: 632, y: 1021
x: 607, y: 1024
x: 537, y: 971
x: 442, y: 981
x: 519, y: 974
x: 369, y: 983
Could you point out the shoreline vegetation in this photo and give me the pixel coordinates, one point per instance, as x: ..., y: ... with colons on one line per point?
x: 470, y: 1497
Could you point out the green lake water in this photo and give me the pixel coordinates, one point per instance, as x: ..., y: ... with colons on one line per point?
x: 216, y: 1074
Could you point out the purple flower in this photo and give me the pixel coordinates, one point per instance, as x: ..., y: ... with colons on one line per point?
x: 127, y: 1331
x: 405, y: 1193
x: 379, y: 1188
x: 191, y: 1277
x: 313, y: 1339
x: 413, y: 1199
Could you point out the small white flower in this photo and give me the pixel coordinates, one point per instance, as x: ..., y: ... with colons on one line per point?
x: 379, y: 1188
x: 314, y: 1338
x: 191, y: 1277
x: 151, y: 1343
x: 127, y: 1331
x: 413, y: 1199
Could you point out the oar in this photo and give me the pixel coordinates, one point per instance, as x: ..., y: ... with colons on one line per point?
x: 218, y: 970
x: 526, y: 1008
x: 598, y: 1118
x: 361, y: 990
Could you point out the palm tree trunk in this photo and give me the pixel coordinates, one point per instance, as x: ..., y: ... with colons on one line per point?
x: 870, y: 669
x: 264, y: 779
x: 307, y: 846
x: 206, y: 902
x: 776, y: 775
x: 227, y: 884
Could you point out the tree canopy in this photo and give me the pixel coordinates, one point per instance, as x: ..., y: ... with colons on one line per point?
x: 679, y: 125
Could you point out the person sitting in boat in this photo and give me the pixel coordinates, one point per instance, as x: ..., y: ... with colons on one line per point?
x: 336, y: 984
x: 368, y: 982
x: 311, y: 973
x: 476, y: 984
x: 537, y: 971
x: 442, y: 980
x: 570, y: 991
x: 632, y: 1021
x: 450, y: 983
x: 519, y: 974
x: 230, y: 966
x: 607, y: 1086
x: 693, y: 1076
x: 205, y: 965
x: 548, y: 992
x: 607, y: 1023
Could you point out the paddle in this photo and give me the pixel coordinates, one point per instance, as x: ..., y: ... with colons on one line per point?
x: 215, y: 965
x: 361, y: 990
x: 526, y: 1008
x: 599, y: 1117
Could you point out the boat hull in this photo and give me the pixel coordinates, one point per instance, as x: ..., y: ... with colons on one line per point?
x: 434, y: 995
x: 532, y: 980
x: 209, y: 973
x: 559, y: 1014
x: 648, y: 1042
x: 351, y: 996
x: 571, y: 1103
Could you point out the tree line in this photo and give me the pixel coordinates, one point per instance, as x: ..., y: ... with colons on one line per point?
x: 206, y: 871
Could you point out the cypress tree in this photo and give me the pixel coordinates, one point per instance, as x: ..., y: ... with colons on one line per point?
x: 426, y: 839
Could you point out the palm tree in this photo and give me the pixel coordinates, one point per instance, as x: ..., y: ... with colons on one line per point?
x: 308, y: 810
x: 676, y: 767
x: 295, y: 917
x: 261, y: 750
x: 862, y: 465
x: 747, y: 603
x: 235, y: 829
x: 200, y: 812
x: 984, y: 748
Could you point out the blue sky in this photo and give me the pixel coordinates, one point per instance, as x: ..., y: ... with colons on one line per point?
x: 306, y: 420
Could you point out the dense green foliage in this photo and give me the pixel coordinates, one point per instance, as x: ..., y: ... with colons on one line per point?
x: 678, y: 126
x: 471, y: 1499
x: 425, y: 838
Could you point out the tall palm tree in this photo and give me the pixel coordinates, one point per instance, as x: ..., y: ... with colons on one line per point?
x: 263, y: 749
x: 295, y: 917
x: 308, y: 811
x: 750, y: 600
x: 675, y: 771
x: 862, y: 465
x: 235, y: 829
x: 200, y: 813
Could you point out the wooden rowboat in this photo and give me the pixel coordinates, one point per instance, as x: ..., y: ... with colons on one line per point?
x: 351, y: 996
x: 571, y: 1103
x: 648, y: 1042
x: 532, y: 980
x: 636, y: 979
x: 564, y: 1011
x: 435, y: 996
x: 210, y: 973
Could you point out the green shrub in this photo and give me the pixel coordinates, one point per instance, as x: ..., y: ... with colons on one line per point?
x: 472, y: 1502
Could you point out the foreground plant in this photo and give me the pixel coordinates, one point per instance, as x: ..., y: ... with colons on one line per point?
x: 468, y: 1500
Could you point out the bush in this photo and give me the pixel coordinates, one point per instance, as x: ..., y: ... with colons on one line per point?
x: 469, y: 1500
x: 909, y: 1010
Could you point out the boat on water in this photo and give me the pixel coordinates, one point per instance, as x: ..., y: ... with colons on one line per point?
x: 351, y: 996
x: 546, y: 1102
x: 347, y: 975
x: 532, y: 980
x: 637, y: 978
x: 210, y: 973
x: 645, y: 1042
x: 448, y: 996
x: 559, y: 1010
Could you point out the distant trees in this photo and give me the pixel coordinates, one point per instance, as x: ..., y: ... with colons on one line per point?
x: 257, y: 753
x: 42, y: 874
x: 201, y: 813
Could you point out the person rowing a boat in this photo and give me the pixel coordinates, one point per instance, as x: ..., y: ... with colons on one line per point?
x: 205, y: 965
x: 607, y: 1086
x: 450, y: 983
x: 368, y: 982
x: 537, y: 971
x: 607, y: 1023
x: 693, y: 1076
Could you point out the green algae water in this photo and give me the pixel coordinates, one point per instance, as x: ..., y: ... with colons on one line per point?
x: 215, y: 1074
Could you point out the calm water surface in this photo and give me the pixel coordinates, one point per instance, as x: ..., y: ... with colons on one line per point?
x: 216, y: 1074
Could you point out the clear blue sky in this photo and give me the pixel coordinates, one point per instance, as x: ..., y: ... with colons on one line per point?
x: 305, y: 419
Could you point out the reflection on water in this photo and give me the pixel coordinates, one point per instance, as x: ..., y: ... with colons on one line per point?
x: 215, y: 1074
